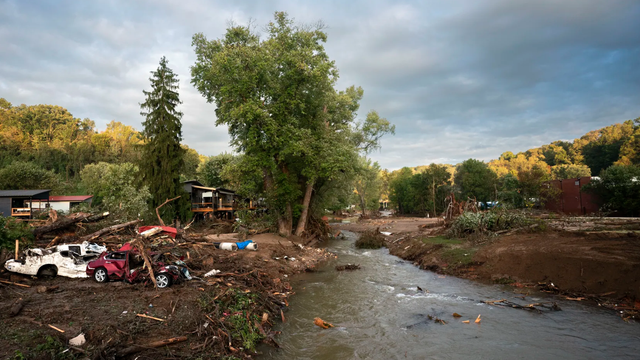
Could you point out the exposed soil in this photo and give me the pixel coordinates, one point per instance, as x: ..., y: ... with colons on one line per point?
x: 597, y: 264
x: 107, y: 313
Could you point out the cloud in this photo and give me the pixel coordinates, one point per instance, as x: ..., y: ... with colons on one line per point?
x: 459, y: 79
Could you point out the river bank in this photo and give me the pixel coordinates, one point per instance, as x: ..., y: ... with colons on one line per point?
x: 221, y: 316
x: 581, y: 263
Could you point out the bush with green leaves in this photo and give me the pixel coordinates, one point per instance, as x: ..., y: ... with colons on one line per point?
x: 27, y: 175
x: 12, y: 230
x: 489, y: 221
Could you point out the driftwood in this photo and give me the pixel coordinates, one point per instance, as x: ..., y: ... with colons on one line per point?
x: 60, y: 224
x: 156, y: 344
x: 107, y: 230
x: 163, y: 204
x: 96, y: 217
x: 14, y: 283
x: 139, y: 244
x: 551, y: 305
x: 347, y: 267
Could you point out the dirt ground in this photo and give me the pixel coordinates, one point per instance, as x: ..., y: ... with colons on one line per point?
x: 108, y: 314
x: 585, y: 262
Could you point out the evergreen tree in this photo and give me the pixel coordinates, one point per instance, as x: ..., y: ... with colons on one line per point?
x: 162, y: 156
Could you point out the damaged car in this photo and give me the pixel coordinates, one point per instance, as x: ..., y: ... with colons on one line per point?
x: 68, y: 260
x: 129, y: 266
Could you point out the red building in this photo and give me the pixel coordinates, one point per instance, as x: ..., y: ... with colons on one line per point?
x: 570, y: 199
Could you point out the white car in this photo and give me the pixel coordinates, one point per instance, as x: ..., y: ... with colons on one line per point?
x: 68, y: 260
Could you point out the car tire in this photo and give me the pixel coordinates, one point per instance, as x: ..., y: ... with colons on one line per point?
x: 163, y: 280
x: 101, y: 275
x: 48, y: 271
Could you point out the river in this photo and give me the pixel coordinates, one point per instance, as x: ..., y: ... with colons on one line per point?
x: 379, y: 313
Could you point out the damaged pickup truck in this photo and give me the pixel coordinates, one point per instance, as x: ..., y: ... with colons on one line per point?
x: 68, y: 260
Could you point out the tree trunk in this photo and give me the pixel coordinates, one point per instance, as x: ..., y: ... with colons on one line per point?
x: 62, y: 223
x: 107, y: 230
x: 302, y: 222
x: 285, y: 221
x: 363, y: 204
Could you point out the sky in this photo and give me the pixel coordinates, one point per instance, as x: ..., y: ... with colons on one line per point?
x: 459, y: 79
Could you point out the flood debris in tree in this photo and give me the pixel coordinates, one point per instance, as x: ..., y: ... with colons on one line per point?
x: 370, y: 239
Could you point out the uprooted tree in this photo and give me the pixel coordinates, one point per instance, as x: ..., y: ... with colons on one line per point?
x: 278, y: 100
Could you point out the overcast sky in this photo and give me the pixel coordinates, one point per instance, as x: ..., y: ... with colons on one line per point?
x: 459, y: 79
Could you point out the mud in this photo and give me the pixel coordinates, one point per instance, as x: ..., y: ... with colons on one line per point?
x: 107, y: 313
x: 585, y: 262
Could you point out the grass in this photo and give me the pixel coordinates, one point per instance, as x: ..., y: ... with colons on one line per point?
x: 441, y: 240
x: 458, y: 256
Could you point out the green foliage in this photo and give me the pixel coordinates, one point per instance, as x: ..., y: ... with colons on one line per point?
x: 367, y: 184
x: 210, y: 172
x: 276, y: 96
x: 28, y: 175
x: 561, y: 172
x: 602, y: 152
x: 489, y: 221
x: 162, y: 155
x: 12, y: 230
x: 116, y: 188
x: 370, y: 239
x: 475, y: 180
x: 618, y: 189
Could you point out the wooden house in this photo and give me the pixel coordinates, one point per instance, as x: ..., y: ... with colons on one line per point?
x: 209, y: 201
x: 23, y: 203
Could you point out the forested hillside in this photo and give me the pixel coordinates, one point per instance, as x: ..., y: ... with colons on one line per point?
x: 517, y: 178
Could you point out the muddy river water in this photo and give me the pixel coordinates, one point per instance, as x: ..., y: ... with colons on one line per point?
x: 380, y: 314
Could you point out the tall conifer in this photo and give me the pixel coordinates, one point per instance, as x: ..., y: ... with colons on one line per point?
x: 162, y: 154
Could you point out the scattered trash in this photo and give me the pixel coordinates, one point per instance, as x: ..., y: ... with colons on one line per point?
x: 436, y: 319
x: 551, y: 305
x: 456, y: 315
x: 248, y: 245
x: 478, y: 320
x: 465, y: 321
x: 226, y: 246
x: 347, y: 267
x: 149, y: 317
x: 124, y: 312
x: 385, y: 233
x: 78, y: 340
x: 212, y: 273
x: 321, y: 323
x: 55, y: 328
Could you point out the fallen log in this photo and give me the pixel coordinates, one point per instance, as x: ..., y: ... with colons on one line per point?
x: 163, y: 204
x: 60, y: 224
x: 107, y: 230
x: 96, y: 217
x: 156, y: 344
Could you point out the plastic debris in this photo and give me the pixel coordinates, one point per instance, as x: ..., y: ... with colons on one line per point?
x: 78, y: 340
x: 321, y: 323
x: 248, y: 245
x: 212, y: 273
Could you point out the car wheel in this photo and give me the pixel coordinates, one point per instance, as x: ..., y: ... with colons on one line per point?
x: 100, y: 275
x: 163, y: 280
x: 48, y: 271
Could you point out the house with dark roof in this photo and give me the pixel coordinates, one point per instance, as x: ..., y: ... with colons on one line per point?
x: 65, y: 202
x: 23, y: 203
x: 209, y: 201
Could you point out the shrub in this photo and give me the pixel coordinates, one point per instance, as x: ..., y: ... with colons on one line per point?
x: 371, y: 239
x: 490, y: 221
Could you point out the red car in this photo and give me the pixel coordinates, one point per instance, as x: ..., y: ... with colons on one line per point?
x: 128, y: 266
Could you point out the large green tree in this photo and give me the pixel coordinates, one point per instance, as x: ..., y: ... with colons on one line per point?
x: 277, y: 97
x: 475, y: 179
x: 162, y: 159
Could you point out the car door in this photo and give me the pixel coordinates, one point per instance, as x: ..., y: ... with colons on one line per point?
x: 116, y: 264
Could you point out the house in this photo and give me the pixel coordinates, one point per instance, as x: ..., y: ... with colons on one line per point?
x: 23, y: 203
x: 209, y: 201
x: 68, y: 202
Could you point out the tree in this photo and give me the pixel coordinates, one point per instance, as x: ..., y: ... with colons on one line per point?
x: 278, y: 100
x: 604, y: 149
x: 618, y: 189
x: 22, y: 175
x: 162, y: 158
x: 368, y: 183
x: 561, y: 172
x: 116, y: 188
x: 475, y: 180
x: 401, y: 191
x: 210, y: 172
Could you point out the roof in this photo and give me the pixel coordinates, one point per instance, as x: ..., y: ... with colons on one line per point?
x: 204, y: 188
x: 193, y: 182
x: 22, y: 193
x: 70, y: 198
x: 226, y: 191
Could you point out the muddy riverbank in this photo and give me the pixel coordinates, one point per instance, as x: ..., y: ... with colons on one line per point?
x: 580, y: 263
x: 221, y: 316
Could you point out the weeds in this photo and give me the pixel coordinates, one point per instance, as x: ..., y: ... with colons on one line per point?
x: 458, y: 256
x: 470, y: 223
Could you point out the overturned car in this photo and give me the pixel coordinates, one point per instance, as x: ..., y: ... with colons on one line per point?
x: 68, y: 260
